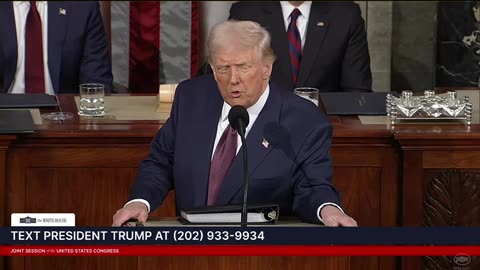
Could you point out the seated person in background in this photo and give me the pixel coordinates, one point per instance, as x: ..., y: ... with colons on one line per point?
x: 325, y: 47
x: 53, y: 47
x: 195, y: 152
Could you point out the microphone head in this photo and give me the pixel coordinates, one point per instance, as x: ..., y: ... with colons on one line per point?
x: 238, y: 118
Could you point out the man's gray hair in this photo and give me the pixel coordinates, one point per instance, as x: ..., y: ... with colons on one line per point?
x: 241, y: 35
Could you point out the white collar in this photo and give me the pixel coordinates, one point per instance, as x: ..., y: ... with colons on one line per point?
x: 253, y: 111
x: 18, y: 3
x: 287, y: 9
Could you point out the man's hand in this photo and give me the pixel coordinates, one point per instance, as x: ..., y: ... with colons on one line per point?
x: 334, y: 217
x: 136, y: 210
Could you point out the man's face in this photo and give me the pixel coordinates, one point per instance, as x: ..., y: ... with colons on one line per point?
x: 241, y: 75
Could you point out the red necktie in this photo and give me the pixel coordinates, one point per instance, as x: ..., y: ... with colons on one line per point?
x: 294, y: 44
x: 222, y: 159
x: 34, y: 73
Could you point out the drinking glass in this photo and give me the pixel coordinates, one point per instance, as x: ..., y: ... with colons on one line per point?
x: 92, y: 99
x: 308, y: 93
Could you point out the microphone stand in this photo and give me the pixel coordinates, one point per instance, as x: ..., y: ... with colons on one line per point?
x: 238, y: 118
x: 243, y: 223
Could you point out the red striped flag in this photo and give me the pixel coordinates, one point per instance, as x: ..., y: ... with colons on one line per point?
x: 154, y: 43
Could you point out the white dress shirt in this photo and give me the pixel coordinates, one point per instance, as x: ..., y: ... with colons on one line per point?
x: 302, y: 20
x: 253, y: 113
x: 20, y: 10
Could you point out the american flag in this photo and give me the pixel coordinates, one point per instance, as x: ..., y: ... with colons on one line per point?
x: 153, y: 42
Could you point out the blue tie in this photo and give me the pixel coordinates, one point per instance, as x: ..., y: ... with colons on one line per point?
x: 294, y: 44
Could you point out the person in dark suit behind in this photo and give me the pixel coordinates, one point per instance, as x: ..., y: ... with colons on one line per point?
x: 333, y: 52
x: 53, y: 48
x: 288, y: 140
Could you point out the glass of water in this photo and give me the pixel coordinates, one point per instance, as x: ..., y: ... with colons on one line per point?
x: 92, y: 99
x: 308, y: 93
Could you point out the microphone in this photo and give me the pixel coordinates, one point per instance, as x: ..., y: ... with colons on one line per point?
x: 239, y: 119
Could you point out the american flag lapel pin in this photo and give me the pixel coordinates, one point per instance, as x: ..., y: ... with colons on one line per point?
x: 321, y: 24
x: 265, y: 143
x: 62, y: 11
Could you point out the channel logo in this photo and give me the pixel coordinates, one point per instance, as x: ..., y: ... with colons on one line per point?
x: 42, y: 220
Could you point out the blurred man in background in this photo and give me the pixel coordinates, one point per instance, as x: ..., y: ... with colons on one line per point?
x: 52, y: 47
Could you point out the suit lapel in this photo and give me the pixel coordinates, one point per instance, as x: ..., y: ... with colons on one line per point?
x: 8, y: 34
x: 276, y: 26
x: 257, y: 152
x: 205, y: 131
x: 314, y: 38
x: 58, y: 14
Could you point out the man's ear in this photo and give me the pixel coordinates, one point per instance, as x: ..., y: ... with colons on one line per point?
x: 267, y: 71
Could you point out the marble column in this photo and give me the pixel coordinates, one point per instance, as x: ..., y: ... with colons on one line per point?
x: 413, y: 45
x: 379, y: 35
x: 458, y: 45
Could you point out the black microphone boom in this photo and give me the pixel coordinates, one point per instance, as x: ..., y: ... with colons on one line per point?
x: 239, y: 119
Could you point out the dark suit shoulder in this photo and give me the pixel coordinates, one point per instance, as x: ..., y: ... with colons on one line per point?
x: 87, y: 10
x: 200, y: 82
x: 248, y: 6
x: 85, y: 4
x: 197, y: 89
x: 249, y: 10
x: 345, y: 5
x: 345, y: 9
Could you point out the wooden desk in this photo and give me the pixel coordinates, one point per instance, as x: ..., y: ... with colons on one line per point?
x: 5, y: 141
x: 88, y: 167
x: 441, y: 182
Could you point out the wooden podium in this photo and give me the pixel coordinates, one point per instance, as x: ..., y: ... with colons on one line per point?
x: 245, y: 262
x: 239, y: 262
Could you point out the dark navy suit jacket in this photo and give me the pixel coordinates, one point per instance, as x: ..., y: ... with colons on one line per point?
x: 77, y: 46
x: 335, y: 56
x: 294, y: 170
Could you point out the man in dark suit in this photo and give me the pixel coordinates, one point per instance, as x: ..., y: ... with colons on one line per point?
x: 288, y: 140
x: 52, y: 48
x: 333, y: 55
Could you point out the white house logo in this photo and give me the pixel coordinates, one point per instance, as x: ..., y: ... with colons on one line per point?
x: 462, y: 259
x: 42, y: 219
x: 28, y: 220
